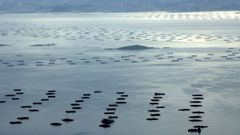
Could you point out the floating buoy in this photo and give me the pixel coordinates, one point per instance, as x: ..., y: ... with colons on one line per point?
x: 194, y: 130
x: 17, y: 89
x: 151, y: 119
x: 67, y: 120
x: 198, y: 98
x: 184, y: 109
x: 87, y: 95
x: 155, y: 100
x: 33, y: 110
x: 19, y: 93
x: 37, y: 103
x: 200, y: 126
x: 52, y: 91
x: 121, y: 92
x: 23, y: 118
x: 121, y: 102
x: 26, y: 106
x: 155, y: 114
x: 70, y: 111
x: 111, y: 109
x: 160, y: 107
x: 198, y: 112
x: 79, y: 101
x: 195, y: 120
x: 97, y: 91
x: 10, y: 95
x: 104, y: 126
x: 76, y: 108
x: 195, y: 117
x: 56, y: 124
x: 112, y: 105
x: 2, y: 101
x: 112, y: 117
x: 51, y: 96
x: 195, y: 101
x: 153, y: 110
x: 109, y: 112
x: 157, y: 97
x: 15, y: 122
x: 45, y: 99
x: 159, y: 94
x: 107, y: 121
x: 153, y: 103
x: 197, y: 95
x: 120, y: 98
x: 75, y: 104
x: 196, y: 105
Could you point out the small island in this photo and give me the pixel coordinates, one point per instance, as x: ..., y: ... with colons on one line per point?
x: 132, y: 47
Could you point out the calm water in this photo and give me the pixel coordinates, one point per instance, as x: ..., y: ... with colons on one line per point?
x: 67, y: 53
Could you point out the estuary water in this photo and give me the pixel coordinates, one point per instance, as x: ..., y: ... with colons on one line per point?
x: 188, y: 74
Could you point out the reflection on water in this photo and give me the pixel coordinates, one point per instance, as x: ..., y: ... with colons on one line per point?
x: 58, y: 77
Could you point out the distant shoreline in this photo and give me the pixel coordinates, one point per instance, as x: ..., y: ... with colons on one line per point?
x: 87, y: 13
x: 211, y: 11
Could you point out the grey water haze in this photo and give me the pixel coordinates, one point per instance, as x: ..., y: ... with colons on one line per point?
x: 140, y: 73
x: 32, y: 6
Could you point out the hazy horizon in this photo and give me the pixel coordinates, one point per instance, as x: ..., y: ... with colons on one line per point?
x: 33, y: 6
x: 109, y: 67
